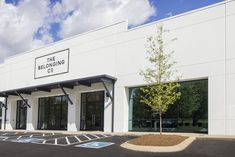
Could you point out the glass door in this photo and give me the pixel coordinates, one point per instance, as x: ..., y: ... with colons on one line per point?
x: 92, y: 117
x: 53, y: 113
x: 21, y: 115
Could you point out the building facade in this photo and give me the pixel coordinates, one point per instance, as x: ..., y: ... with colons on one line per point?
x: 92, y: 82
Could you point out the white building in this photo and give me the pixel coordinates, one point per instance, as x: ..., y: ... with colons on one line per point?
x: 99, y: 72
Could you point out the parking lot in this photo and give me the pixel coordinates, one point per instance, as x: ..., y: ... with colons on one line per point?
x: 26, y: 144
x: 56, y: 139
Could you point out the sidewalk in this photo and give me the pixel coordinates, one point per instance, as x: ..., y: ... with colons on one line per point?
x: 196, y: 135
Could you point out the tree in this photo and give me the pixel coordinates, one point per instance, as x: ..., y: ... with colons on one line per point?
x: 162, y: 89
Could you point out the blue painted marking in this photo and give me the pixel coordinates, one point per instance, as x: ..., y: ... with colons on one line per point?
x: 96, y: 145
x: 28, y: 140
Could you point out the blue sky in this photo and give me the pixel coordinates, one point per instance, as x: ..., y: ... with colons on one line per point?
x: 44, y: 21
x: 166, y: 8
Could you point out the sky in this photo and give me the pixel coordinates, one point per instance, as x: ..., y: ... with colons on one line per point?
x: 29, y: 24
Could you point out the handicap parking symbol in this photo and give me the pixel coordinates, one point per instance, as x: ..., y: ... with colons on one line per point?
x: 28, y: 140
x: 96, y: 145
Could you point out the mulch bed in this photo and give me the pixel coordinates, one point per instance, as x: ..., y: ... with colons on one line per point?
x: 158, y: 140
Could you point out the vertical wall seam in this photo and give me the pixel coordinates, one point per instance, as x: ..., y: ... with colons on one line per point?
x: 225, y: 66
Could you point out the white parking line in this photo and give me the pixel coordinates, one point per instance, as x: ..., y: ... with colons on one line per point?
x: 44, y: 142
x: 77, y: 138
x: 43, y: 134
x: 95, y: 135
x: 104, y: 135
x: 19, y: 137
x: 5, y: 138
x: 30, y: 136
x: 56, y: 141
x: 87, y: 137
x: 67, y: 140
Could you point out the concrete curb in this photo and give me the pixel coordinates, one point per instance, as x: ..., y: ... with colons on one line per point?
x: 179, y: 147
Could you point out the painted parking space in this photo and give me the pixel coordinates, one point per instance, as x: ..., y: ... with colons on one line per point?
x: 12, y: 133
x: 23, y: 137
x: 17, y: 136
x: 74, y: 139
x: 14, y: 136
x: 25, y: 134
x: 56, y: 139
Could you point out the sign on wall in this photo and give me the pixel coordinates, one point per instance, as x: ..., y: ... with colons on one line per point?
x: 52, y: 64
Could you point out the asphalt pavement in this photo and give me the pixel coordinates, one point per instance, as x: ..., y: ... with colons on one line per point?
x: 12, y: 148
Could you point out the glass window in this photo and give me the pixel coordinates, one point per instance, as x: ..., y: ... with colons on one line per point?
x: 188, y: 114
x: 92, y: 111
x: 21, y: 115
x: 52, y: 113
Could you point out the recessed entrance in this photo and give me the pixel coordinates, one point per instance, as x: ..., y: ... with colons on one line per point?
x: 92, y: 111
x: 53, y: 113
x: 21, y: 115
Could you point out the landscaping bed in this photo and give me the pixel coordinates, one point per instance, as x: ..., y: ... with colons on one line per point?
x: 158, y: 140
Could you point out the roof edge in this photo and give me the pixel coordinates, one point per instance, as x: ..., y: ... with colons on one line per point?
x: 65, y: 39
x: 182, y: 14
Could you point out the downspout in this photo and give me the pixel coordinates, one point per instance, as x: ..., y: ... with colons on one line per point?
x: 113, y: 109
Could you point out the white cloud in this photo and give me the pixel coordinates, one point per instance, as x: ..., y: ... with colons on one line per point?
x: 90, y: 14
x: 19, y: 23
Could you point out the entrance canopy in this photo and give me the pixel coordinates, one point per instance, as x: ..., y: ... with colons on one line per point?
x: 63, y: 84
x: 88, y: 81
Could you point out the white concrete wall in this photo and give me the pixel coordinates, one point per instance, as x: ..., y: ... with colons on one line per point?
x: 199, y: 52
x: 204, y: 49
x: 32, y: 114
x: 91, y: 54
x: 11, y: 115
x: 230, y: 70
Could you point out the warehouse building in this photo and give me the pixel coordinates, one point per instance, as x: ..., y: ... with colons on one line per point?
x: 91, y: 81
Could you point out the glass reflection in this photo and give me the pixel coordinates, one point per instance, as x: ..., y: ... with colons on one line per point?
x: 53, y: 112
x: 21, y: 115
x: 189, y: 114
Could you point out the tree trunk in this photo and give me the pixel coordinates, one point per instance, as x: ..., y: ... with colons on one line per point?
x: 160, y: 115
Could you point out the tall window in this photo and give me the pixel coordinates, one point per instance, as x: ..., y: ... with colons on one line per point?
x: 189, y: 114
x: 52, y: 113
x: 21, y: 115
